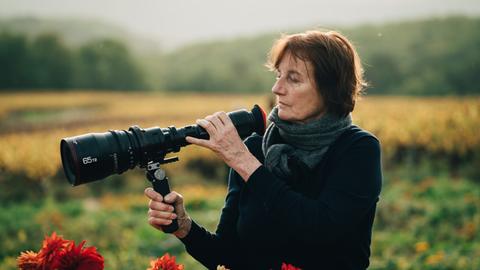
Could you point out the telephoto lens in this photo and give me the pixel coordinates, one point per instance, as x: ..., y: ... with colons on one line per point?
x: 94, y: 156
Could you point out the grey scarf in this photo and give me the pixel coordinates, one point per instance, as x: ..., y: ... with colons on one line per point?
x: 308, y: 142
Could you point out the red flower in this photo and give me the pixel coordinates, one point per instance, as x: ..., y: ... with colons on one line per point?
x: 166, y: 262
x: 79, y: 258
x: 286, y: 266
x: 51, y: 248
x: 28, y: 260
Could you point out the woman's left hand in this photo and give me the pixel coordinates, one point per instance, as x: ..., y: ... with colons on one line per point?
x: 226, y: 143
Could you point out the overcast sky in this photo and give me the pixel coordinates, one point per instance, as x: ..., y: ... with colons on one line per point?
x: 182, y: 21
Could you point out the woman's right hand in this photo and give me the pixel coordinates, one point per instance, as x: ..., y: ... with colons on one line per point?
x: 160, y: 212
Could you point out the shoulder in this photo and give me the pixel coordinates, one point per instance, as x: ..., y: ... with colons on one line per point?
x: 366, y: 139
x: 357, y: 136
x: 355, y: 140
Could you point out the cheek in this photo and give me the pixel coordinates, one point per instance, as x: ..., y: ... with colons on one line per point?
x: 307, y: 103
x: 303, y: 100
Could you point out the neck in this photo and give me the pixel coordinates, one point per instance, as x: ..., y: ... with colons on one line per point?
x: 311, y: 119
x: 307, y: 134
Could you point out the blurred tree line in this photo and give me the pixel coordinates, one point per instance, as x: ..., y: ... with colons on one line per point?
x: 45, y: 62
x: 437, y: 56
x: 429, y: 57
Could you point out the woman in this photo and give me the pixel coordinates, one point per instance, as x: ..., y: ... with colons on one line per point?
x: 305, y: 193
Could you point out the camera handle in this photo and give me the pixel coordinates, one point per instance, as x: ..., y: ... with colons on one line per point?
x: 159, y: 181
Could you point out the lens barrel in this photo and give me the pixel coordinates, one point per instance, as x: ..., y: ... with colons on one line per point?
x: 94, y: 156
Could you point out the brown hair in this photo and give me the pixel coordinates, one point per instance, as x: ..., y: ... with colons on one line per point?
x: 338, y: 72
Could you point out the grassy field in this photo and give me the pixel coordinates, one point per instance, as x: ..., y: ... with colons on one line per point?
x: 428, y: 215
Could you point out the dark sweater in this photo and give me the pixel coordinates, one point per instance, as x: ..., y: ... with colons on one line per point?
x: 322, y: 219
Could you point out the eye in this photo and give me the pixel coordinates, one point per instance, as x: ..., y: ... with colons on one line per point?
x: 293, y: 78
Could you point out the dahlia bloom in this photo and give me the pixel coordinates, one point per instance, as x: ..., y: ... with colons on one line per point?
x: 79, y: 258
x: 166, y: 262
x: 28, y: 260
x: 60, y: 254
x: 286, y: 266
x: 50, y: 250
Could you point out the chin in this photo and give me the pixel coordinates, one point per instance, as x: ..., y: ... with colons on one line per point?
x: 285, y: 116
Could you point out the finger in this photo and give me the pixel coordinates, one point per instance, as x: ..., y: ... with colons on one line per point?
x: 207, y: 125
x: 196, y: 141
x: 160, y: 206
x: 225, y: 119
x: 153, y: 195
x: 174, y: 198
x: 161, y: 214
x: 159, y: 221
x: 215, y: 121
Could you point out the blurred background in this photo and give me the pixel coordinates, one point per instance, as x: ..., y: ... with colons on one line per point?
x: 74, y: 67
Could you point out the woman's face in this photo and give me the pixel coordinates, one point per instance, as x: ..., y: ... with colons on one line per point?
x: 298, y: 99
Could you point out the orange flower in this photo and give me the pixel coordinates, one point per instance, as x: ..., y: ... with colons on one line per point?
x: 421, y: 246
x: 51, y: 248
x: 28, y: 260
x: 435, y: 258
x: 79, y: 258
x: 166, y: 262
x: 289, y: 267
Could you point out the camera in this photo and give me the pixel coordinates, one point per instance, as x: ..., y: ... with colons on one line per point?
x: 94, y: 156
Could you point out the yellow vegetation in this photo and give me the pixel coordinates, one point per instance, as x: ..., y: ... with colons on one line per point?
x: 441, y: 125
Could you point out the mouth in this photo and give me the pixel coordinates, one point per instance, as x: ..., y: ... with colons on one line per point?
x: 282, y: 104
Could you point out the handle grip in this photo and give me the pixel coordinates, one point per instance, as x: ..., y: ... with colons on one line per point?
x: 162, y: 187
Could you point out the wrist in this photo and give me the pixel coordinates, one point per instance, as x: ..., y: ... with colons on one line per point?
x: 247, y: 166
x: 184, y: 225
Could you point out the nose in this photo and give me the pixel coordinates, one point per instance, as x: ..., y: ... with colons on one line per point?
x: 278, y: 88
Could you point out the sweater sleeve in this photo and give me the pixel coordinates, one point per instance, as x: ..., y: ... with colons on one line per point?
x: 221, y: 247
x: 351, y: 190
